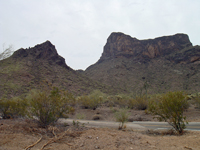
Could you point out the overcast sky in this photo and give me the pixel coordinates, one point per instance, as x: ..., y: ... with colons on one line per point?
x: 79, y: 28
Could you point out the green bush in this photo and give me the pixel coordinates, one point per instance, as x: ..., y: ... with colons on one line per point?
x: 13, y: 107
x: 91, y: 101
x: 139, y: 102
x: 71, y: 100
x: 6, y: 108
x: 169, y: 107
x: 120, y: 100
x: 48, y: 107
x: 19, y: 107
x: 122, y: 116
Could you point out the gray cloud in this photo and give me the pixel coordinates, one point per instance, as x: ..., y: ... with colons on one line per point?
x: 79, y: 29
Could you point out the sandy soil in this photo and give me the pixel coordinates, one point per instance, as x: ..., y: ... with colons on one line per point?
x: 18, y: 134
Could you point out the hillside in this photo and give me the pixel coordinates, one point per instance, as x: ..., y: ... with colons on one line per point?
x: 157, y: 65
x: 34, y: 67
x: 126, y: 65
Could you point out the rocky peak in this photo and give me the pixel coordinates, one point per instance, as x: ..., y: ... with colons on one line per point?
x: 44, y: 51
x: 118, y: 45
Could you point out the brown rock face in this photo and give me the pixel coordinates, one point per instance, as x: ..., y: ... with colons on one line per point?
x: 44, y: 51
x: 167, y: 63
x: 119, y: 44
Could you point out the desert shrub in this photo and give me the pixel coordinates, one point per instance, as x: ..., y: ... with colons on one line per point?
x: 110, y: 101
x: 80, y: 116
x: 169, y: 108
x: 6, y: 108
x: 120, y: 100
x: 93, y: 100
x: 139, y: 102
x: 97, y: 117
x: 19, y: 107
x: 71, y: 100
x: 196, y: 98
x: 13, y: 107
x: 122, y: 116
x: 48, y: 106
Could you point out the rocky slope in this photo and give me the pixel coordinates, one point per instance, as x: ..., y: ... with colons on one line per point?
x: 39, y: 66
x: 157, y: 65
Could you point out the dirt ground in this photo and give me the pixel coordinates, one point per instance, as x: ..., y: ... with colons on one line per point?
x: 18, y: 134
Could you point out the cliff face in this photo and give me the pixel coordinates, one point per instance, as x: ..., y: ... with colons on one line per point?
x: 119, y: 44
x: 165, y: 63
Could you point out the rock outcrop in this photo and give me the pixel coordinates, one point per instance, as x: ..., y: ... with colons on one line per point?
x: 165, y: 63
x: 44, y: 51
x: 119, y: 44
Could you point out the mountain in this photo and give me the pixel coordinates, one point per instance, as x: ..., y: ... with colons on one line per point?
x: 39, y: 66
x: 158, y: 65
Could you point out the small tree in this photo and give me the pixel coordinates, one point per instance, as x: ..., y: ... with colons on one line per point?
x: 122, y: 117
x: 48, y: 107
x: 169, y: 108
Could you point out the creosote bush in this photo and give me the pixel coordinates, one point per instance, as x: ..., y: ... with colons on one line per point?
x: 48, y: 106
x: 169, y: 107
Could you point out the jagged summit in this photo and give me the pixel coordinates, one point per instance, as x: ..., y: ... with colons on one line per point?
x: 165, y: 63
x: 33, y: 68
x: 44, y: 51
x: 119, y: 44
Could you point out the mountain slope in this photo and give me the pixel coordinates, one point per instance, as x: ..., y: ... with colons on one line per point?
x: 161, y: 64
x: 34, y: 67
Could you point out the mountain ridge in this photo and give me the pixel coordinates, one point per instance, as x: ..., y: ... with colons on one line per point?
x: 125, y: 66
x: 130, y: 63
x: 120, y: 44
x: 30, y: 68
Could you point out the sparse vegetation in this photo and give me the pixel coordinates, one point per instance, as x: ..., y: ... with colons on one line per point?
x: 6, y: 52
x: 80, y: 116
x: 197, y: 100
x: 12, y: 107
x: 48, y: 107
x: 169, y: 108
x: 139, y: 102
x: 121, y: 100
x: 6, y: 107
x: 122, y: 116
x: 91, y: 101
